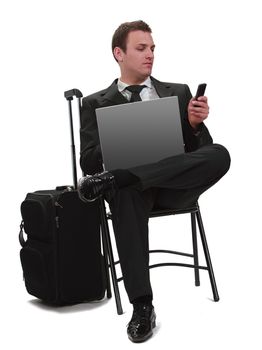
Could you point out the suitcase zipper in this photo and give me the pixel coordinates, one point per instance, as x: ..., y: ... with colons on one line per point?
x: 57, y: 221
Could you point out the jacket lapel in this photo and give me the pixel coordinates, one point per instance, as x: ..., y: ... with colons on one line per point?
x: 162, y: 89
x: 113, y: 95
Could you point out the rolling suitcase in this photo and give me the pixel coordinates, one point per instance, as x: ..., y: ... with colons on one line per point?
x: 61, y: 258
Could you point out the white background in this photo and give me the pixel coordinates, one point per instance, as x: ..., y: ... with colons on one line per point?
x: 48, y: 47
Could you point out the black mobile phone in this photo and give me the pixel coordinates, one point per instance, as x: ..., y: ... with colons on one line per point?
x: 200, y: 90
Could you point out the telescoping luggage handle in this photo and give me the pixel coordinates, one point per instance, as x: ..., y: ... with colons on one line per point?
x: 69, y: 95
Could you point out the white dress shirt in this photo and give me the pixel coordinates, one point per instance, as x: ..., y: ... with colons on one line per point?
x: 148, y: 93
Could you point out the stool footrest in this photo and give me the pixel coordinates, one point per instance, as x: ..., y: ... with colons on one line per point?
x: 171, y: 252
x: 172, y: 264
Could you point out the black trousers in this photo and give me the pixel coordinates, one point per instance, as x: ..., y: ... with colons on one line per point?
x: 174, y: 182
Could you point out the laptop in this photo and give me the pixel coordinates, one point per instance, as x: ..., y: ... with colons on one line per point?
x: 139, y: 133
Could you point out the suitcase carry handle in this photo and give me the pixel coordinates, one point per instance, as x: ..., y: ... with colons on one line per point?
x: 69, y: 95
x: 21, y: 236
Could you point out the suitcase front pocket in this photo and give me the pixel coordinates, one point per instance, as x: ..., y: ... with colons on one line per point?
x: 37, y: 261
x: 38, y: 215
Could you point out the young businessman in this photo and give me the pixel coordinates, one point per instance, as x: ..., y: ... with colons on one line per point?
x: 173, y: 182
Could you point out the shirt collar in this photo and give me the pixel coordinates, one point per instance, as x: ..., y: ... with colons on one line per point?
x: 121, y: 85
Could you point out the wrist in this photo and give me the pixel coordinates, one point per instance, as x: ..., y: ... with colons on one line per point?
x: 194, y: 126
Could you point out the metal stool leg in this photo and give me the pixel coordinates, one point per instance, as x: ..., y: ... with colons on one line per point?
x: 195, y: 250
x: 106, y: 234
x: 207, y: 256
x: 106, y: 266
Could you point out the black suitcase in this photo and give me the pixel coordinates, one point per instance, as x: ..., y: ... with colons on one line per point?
x: 61, y: 259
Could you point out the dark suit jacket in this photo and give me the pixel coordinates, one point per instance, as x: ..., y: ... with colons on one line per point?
x: 91, y: 157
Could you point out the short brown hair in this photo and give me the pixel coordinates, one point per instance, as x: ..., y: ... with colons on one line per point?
x: 120, y: 36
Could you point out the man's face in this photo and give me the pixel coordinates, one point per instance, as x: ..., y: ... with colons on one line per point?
x: 138, y: 59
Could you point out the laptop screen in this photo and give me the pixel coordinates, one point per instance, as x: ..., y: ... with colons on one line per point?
x: 139, y: 133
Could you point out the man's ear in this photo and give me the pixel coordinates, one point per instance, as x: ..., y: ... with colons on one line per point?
x: 118, y: 53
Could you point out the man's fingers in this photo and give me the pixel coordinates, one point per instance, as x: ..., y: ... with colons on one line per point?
x: 202, y: 98
x: 199, y: 110
x: 199, y: 104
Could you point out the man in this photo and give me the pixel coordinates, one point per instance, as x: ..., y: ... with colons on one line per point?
x: 174, y: 182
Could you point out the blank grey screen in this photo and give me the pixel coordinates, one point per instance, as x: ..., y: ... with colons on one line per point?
x: 139, y: 133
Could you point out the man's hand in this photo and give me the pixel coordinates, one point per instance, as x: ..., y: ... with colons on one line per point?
x: 198, y: 111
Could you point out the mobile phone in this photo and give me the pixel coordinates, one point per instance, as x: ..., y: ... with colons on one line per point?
x: 200, y: 90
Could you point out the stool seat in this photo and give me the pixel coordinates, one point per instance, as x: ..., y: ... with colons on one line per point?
x: 164, y: 212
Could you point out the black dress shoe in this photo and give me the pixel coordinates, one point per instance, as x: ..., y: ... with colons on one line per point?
x: 143, y: 320
x: 91, y: 187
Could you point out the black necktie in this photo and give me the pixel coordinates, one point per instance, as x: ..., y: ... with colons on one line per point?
x: 135, y: 89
